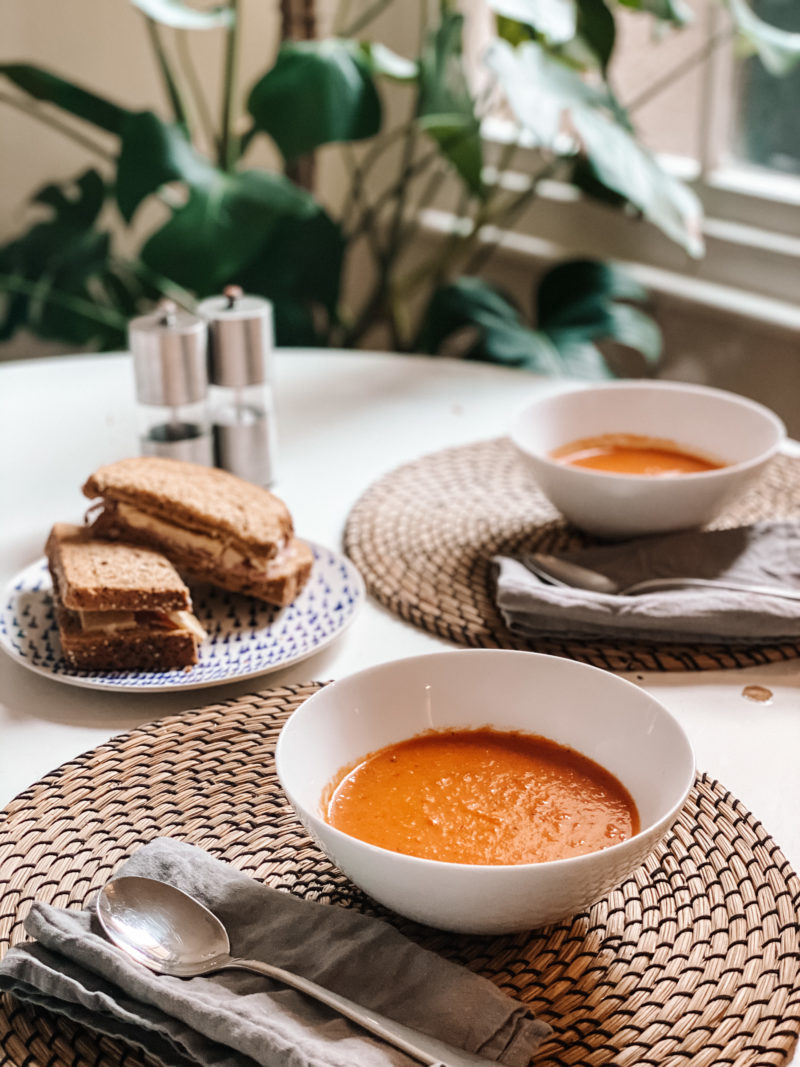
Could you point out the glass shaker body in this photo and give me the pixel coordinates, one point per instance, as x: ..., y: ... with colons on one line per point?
x: 169, y: 350
x: 240, y: 344
x: 181, y: 432
x: 244, y: 431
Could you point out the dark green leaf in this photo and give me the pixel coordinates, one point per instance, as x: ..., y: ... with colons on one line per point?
x: 154, y: 153
x: 298, y: 267
x: 596, y: 27
x: 222, y: 226
x: 42, y: 85
x: 446, y: 110
x: 580, y: 301
x: 54, y: 271
x: 317, y: 93
x: 570, y: 287
x: 182, y: 17
x: 493, y: 326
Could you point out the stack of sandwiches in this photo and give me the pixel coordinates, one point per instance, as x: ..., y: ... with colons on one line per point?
x: 119, y: 605
x: 155, y: 522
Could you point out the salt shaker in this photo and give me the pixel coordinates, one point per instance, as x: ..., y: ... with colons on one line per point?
x: 240, y: 343
x: 169, y: 362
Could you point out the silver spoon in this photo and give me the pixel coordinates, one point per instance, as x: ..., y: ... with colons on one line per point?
x: 172, y: 933
x: 563, y: 572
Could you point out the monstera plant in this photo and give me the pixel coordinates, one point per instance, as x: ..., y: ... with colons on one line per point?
x: 223, y: 219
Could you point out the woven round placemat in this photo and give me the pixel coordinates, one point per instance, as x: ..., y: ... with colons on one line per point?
x: 424, y: 534
x: 693, y: 960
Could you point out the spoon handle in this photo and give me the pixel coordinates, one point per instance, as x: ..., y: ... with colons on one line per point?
x: 652, y: 585
x: 420, y: 1046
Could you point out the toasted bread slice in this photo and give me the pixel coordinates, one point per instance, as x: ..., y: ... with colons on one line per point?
x: 94, y: 575
x: 119, y: 606
x: 199, y: 499
x: 213, y: 526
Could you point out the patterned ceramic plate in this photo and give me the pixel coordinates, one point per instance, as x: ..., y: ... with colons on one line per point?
x: 246, y: 637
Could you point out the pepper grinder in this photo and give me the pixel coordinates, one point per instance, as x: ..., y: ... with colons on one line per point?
x: 169, y: 362
x: 240, y: 343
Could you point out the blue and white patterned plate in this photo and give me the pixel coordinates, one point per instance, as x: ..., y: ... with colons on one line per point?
x: 246, y: 637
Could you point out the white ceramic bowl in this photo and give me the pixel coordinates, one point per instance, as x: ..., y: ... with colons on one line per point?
x: 709, y: 422
x: 604, y: 717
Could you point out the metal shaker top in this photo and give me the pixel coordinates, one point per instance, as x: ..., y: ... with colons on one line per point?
x: 169, y: 356
x: 240, y: 338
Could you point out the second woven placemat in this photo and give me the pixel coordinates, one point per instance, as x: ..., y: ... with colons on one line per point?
x: 424, y: 534
x: 694, y: 960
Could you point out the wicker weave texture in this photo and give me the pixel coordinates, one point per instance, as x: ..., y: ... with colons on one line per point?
x: 423, y: 537
x: 694, y: 960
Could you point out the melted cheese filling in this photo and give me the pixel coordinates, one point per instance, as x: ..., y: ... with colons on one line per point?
x: 224, y: 554
x: 113, y: 621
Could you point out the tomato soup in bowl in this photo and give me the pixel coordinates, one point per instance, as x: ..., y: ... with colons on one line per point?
x: 482, y: 796
x: 541, y: 710
x: 600, y: 453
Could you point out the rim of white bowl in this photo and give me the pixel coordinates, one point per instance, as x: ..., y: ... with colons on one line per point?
x: 666, y: 820
x: 647, y: 385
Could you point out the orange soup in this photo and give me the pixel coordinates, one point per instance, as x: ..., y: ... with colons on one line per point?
x: 481, y: 796
x: 632, y: 454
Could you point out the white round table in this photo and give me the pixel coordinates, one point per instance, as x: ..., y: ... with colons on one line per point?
x: 344, y: 419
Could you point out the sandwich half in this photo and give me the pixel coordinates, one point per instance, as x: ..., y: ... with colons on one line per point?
x: 211, y: 525
x: 119, y: 606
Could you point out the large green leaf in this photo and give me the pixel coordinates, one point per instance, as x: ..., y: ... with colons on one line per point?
x: 778, y: 50
x: 152, y: 154
x: 299, y: 268
x: 318, y: 92
x: 223, y: 224
x: 675, y: 11
x: 495, y: 330
x: 626, y: 166
x: 182, y: 17
x: 446, y: 110
x: 42, y: 85
x: 540, y: 87
x: 583, y: 301
x: 555, y: 20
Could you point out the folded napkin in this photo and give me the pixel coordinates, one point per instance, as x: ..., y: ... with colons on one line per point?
x: 238, y: 1019
x: 767, y: 553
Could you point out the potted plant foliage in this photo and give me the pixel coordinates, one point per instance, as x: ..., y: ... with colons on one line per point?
x: 228, y: 221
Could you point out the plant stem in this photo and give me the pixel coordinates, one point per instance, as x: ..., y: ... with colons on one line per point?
x: 196, y: 88
x: 36, y: 111
x: 165, y: 286
x: 228, y: 153
x: 170, y: 85
x: 364, y: 18
x: 379, y: 146
x: 680, y: 69
x: 86, y: 308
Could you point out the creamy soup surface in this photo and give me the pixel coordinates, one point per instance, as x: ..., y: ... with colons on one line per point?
x: 481, y: 796
x: 632, y: 454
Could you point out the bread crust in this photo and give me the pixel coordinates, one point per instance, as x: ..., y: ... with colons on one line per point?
x: 142, y: 649
x: 93, y: 575
x: 200, y: 498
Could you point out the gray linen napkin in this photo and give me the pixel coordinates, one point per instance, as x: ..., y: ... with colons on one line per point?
x: 238, y: 1019
x: 766, y: 553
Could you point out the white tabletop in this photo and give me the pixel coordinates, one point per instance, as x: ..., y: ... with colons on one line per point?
x: 344, y: 419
